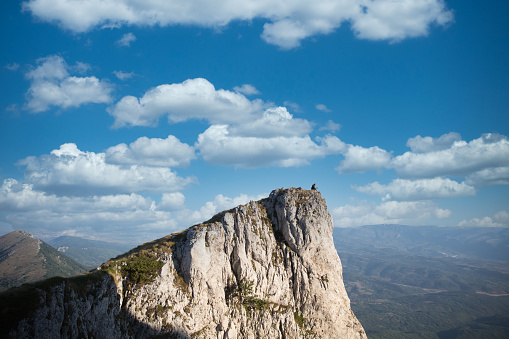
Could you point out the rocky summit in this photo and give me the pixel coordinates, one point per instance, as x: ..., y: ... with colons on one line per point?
x: 265, y: 269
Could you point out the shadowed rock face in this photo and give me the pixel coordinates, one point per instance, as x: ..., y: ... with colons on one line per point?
x: 264, y: 269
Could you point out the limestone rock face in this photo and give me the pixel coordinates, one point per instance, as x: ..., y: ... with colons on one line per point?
x: 264, y: 269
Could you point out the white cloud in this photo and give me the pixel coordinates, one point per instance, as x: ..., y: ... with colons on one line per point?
x: 360, y: 159
x: 123, y: 75
x: 124, y: 217
x: 429, y: 144
x: 192, y: 99
x: 172, y: 202
x: 169, y: 152
x: 500, y: 219
x: 322, y: 107
x: 391, y: 212
x: 210, y: 208
x: 274, y: 121
x: 217, y: 146
x: 51, y: 85
x: 331, y: 126
x: 489, y: 177
x: 460, y: 159
x: 126, y: 40
x: 69, y: 171
x: 396, y: 210
x: 12, y: 67
x: 287, y: 23
x: 483, y: 161
x: 403, y: 189
x: 246, y: 89
x: 398, y: 20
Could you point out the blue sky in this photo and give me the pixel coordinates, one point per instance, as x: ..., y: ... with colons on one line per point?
x: 127, y: 121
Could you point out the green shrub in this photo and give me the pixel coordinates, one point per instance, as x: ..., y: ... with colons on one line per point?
x: 142, y: 270
x: 299, y: 319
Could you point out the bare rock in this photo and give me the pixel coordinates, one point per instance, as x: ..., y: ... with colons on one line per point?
x: 265, y: 269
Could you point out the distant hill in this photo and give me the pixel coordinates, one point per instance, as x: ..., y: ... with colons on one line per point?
x: 487, y: 243
x: 427, y: 282
x: 90, y: 253
x: 24, y: 259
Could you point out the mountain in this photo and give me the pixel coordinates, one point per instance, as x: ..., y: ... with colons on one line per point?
x: 264, y: 269
x: 488, y: 243
x: 427, y: 282
x: 90, y: 253
x: 24, y: 259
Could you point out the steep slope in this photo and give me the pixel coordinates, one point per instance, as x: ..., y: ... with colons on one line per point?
x: 90, y: 253
x: 265, y: 269
x: 24, y: 259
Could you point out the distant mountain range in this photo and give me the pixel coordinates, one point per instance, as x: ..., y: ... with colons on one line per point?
x: 90, y: 253
x: 488, y: 243
x: 427, y: 282
x: 24, y: 259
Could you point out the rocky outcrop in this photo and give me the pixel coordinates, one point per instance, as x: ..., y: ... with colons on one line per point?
x: 264, y: 269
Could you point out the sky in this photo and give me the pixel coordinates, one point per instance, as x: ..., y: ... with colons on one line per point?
x: 125, y: 121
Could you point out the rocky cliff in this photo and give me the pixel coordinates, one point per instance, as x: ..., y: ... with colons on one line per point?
x: 264, y: 269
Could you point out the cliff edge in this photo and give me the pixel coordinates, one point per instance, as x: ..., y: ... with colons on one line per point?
x: 265, y: 269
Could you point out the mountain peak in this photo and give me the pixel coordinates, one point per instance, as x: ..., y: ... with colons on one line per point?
x: 25, y: 259
x: 264, y: 269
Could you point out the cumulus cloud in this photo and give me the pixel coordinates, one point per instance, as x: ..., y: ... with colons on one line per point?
x: 192, y: 99
x: 390, y: 212
x: 169, y: 152
x: 403, y: 189
x: 210, y: 208
x: 323, y: 108
x: 274, y: 121
x: 429, y: 144
x: 489, y: 177
x: 69, y: 171
x: 286, y: 24
x: 218, y: 146
x: 123, y: 75
x: 461, y: 158
x: 331, y: 126
x: 51, y: 85
x: 500, y: 219
x: 124, y: 217
x: 126, y: 40
x: 360, y: 159
x: 398, y: 20
x: 172, y: 202
x: 246, y: 89
x: 483, y: 161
